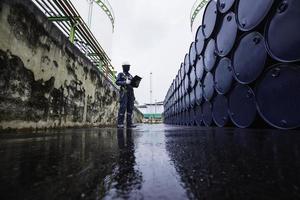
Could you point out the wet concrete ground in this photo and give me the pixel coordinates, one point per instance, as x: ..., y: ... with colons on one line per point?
x: 151, y: 162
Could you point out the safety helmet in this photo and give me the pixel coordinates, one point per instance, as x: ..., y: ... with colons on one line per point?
x: 126, y: 63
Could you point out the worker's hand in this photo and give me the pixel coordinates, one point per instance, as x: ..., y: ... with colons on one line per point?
x: 128, y: 81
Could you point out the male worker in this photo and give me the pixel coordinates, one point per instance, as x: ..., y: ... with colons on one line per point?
x: 126, y: 96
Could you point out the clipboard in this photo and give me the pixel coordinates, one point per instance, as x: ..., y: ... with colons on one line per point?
x: 135, y: 81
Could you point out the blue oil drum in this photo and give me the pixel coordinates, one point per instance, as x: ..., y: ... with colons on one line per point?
x: 187, y: 118
x: 220, y: 110
x: 182, y: 103
x: 199, y: 39
x: 210, y: 55
x: 242, y: 106
x: 278, y: 96
x: 249, y: 58
x: 209, y: 19
x: 192, y: 55
x: 250, y: 13
x: 193, y: 79
x: 225, y: 5
x: 198, y: 93
x: 192, y: 117
x: 223, y: 76
x: 182, y: 71
x: 186, y: 84
x: 207, y: 113
x: 208, y: 86
x: 187, y: 101
x: 199, y: 68
x: 198, y: 115
x: 227, y: 35
x: 282, y: 32
x: 186, y: 64
x: 192, y: 98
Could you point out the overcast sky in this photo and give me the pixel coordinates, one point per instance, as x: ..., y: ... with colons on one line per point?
x: 152, y: 35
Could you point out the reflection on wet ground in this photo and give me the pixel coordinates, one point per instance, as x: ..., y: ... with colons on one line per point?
x: 151, y: 162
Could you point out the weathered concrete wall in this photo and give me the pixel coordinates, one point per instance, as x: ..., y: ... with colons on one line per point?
x: 45, y: 81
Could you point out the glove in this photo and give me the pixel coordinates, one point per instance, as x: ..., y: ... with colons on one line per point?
x: 128, y: 82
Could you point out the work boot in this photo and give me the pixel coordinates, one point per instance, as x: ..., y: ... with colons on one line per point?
x: 131, y: 126
x: 120, y: 119
x: 129, y: 119
x: 120, y: 126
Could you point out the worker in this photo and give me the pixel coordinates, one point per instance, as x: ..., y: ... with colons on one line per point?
x: 126, y: 96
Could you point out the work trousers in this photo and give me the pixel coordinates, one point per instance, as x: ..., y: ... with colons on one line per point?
x: 126, y: 104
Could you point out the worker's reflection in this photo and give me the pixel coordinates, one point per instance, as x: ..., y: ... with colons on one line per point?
x: 128, y: 178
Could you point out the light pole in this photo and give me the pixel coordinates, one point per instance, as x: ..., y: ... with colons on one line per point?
x: 150, y: 87
x: 155, y: 109
x: 90, y: 13
x: 151, y: 110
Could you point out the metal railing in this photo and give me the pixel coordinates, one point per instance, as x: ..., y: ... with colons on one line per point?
x: 64, y: 15
x: 198, y: 5
x: 106, y: 7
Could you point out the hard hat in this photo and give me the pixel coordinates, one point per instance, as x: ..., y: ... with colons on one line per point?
x: 126, y: 63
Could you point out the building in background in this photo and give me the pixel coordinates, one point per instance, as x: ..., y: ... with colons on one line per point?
x: 152, y: 112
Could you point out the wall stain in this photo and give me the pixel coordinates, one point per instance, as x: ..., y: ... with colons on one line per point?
x: 55, y: 63
x: 46, y: 60
x: 25, y: 27
x: 71, y: 69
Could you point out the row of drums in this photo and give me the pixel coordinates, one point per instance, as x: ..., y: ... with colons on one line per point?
x: 242, y: 69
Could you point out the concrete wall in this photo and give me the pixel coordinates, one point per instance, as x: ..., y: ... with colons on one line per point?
x: 45, y: 81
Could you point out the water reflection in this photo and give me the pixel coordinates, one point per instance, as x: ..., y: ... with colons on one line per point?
x: 127, y: 179
x: 237, y: 164
x: 151, y: 162
x: 143, y: 170
x: 71, y: 164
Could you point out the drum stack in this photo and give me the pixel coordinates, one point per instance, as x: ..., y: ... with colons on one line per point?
x: 243, y: 69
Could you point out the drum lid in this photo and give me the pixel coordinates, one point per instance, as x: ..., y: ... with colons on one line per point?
x: 278, y: 96
x: 282, y: 32
x: 193, y: 79
x: 210, y: 55
x: 198, y: 115
x: 227, y: 35
x: 208, y: 86
x: 199, y: 68
x: 220, y: 110
x: 251, y: 13
x: 223, y: 76
x: 249, y: 58
x: 198, y: 93
x: 199, y: 41
x: 192, y: 54
x: 209, y: 19
x: 242, y: 106
x: 207, y: 113
x: 186, y: 64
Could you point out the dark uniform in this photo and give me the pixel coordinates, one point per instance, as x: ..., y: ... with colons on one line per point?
x: 126, y: 98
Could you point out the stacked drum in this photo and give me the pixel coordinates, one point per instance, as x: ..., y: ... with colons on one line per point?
x: 243, y: 69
